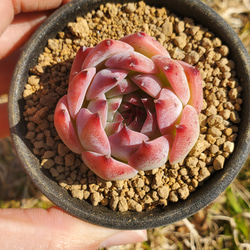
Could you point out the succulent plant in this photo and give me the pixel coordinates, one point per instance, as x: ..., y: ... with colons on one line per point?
x: 129, y: 107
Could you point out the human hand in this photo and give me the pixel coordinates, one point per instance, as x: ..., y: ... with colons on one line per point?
x: 55, y: 229
x: 39, y: 228
x: 19, y: 19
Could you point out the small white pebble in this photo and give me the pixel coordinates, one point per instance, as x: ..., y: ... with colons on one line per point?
x: 228, y: 146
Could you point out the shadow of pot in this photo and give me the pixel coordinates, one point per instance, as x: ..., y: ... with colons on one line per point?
x: 101, y: 215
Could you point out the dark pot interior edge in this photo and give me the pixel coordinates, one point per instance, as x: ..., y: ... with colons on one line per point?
x: 149, y: 219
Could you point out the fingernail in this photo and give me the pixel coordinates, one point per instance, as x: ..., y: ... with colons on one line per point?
x: 125, y: 237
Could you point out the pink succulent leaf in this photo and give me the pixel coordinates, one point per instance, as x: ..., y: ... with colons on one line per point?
x: 187, y: 133
x: 150, y: 126
x: 103, y: 51
x: 133, y: 99
x: 149, y: 104
x: 105, y: 80
x: 78, y: 60
x: 99, y: 105
x: 108, y: 168
x: 135, y: 124
x: 195, y: 85
x: 145, y: 44
x: 132, y: 61
x: 91, y: 132
x: 151, y: 154
x: 175, y: 75
x: 118, y: 117
x: 168, y: 109
x: 126, y: 86
x: 125, y: 142
x: 113, y: 127
x: 113, y: 105
x: 64, y: 126
x: 150, y: 84
x: 77, y: 90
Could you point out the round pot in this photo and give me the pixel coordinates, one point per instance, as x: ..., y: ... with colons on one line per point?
x: 101, y: 215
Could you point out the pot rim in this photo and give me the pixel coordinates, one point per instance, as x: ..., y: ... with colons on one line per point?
x: 100, y: 215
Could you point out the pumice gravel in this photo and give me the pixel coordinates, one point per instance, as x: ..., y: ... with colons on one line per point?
x: 185, y: 40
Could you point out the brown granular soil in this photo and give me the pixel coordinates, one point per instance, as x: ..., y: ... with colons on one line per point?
x: 184, y: 40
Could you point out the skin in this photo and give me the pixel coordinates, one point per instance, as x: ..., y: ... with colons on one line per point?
x: 52, y: 228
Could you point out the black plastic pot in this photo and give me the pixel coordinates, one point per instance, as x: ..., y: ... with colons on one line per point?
x: 102, y: 215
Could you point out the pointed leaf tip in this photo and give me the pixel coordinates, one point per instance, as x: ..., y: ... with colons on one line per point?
x: 78, y: 60
x: 91, y: 132
x: 125, y: 142
x: 175, y: 75
x: 187, y: 133
x: 151, y: 154
x: 108, y: 168
x: 64, y: 126
x: 103, y: 51
x: 195, y: 85
x: 168, y: 109
x: 145, y: 44
x: 77, y: 90
x: 105, y: 80
x: 132, y: 61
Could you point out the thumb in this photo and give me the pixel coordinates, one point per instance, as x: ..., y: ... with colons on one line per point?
x: 55, y: 229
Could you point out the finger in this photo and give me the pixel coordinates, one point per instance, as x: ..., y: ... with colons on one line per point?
x: 10, y: 8
x: 20, y: 31
x: 54, y: 229
x: 24, y: 24
x: 36, y: 5
x: 6, y: 13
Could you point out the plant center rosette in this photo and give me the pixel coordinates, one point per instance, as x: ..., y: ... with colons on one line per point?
x: 129, y: 107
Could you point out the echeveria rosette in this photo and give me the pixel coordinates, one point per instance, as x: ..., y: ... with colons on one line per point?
x: 129, y: 107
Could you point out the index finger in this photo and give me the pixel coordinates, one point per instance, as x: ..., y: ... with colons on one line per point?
x: 10, y: 8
